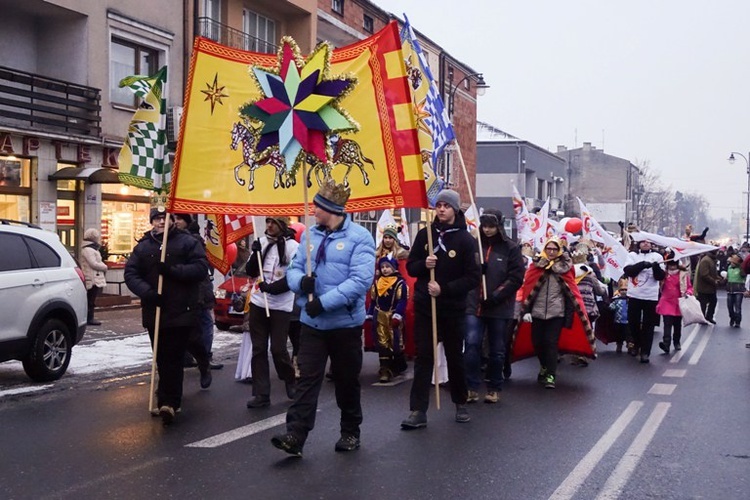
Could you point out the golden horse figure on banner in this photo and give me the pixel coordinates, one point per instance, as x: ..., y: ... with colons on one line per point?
x: 244, y: 134
x: 346, y: 152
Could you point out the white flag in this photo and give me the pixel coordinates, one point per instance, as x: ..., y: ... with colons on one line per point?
x: 615, y: 255
x: 403, y: 236
x: 523, y: 221
x: 385, y: 219
x: 539, y: 226
x: 472, y: 220
x: 681, y: 248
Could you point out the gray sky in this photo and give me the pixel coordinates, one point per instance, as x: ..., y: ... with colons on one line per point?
x: 667, y: 81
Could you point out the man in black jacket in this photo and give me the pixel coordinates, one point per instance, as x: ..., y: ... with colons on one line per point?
x: 457, y: 271
x: 504, y: 271
x: 184, y: 268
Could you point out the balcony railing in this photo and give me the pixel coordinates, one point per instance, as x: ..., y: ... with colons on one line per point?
x: 33, y: 101
x: 232, y: 37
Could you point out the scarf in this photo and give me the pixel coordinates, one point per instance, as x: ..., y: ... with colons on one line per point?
x: 384, y: 283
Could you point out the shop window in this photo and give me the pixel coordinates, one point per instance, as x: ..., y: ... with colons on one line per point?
x: 67, y: 184
x: 368, y: 24
x: 262, y: 31
x: 14, y: 172
x: 128, y: 59
x: 15, y: 188
x: 337, y: 6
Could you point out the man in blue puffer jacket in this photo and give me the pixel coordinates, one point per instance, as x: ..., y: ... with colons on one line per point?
x: 333, y: 311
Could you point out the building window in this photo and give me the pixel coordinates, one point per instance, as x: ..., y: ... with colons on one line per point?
x: 540, y: 189
x: 15, y: 188
x: 368, y: 24
x: 127, y: 59
x: 262, y: 31
x: 337, y: 6
x: 212, y: 9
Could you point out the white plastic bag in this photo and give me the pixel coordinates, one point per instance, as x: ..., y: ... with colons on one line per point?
x: 691, y: 312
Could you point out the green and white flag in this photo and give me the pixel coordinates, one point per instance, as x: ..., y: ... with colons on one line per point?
x: 143, y: 159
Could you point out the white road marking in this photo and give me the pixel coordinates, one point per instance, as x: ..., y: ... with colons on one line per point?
x: 239, y: 433
x: 678, y: 356
x: 619, y: 478
x: 701, y: 347
x: 662, y: 389
x: 674, y: 373
x: 575, y: 479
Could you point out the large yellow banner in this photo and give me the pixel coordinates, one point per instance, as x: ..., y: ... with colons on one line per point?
x: 217, y: 169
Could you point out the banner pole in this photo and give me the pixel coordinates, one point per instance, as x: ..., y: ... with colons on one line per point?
x: 476, y: 209
x: 433, y: 311
x: 157, y: 319
x: 307, y: 227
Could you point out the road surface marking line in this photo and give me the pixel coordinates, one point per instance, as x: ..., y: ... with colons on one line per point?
x: 239, y: 433
x: 674, y: 373
x: 619, y: 478
x: 578, y: 475
x: 677, y: 357
x: 701, y: 347
x: 662, y: 389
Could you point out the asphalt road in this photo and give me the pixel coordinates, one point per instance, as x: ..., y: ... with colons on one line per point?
x: 676, y: 428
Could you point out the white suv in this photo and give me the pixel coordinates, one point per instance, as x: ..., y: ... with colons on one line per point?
x: 42, y: 300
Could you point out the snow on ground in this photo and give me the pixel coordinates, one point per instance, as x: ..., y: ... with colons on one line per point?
x: 106, y: 357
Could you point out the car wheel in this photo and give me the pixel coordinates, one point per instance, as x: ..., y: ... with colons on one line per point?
x: 50, y: 352
x: 222, y: 326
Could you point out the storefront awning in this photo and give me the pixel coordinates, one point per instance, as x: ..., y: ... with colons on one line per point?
x: 92, y: 175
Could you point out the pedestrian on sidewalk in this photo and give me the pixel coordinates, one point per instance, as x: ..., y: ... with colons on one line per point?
x: 93, y: 269
x: 275, y: 250
x: 332, y: 299
x: 504, y: 269
x: 455, y: 263
x: 183, y: 270
x: 676, y: 284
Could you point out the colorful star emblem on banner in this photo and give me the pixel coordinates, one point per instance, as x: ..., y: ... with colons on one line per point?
x: 214, y: 93
x: 299, y: 107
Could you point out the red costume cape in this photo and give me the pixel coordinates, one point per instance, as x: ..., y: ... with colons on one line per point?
x: 578, y: 339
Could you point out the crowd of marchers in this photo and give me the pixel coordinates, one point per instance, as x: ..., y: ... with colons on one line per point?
x: 331, y: 294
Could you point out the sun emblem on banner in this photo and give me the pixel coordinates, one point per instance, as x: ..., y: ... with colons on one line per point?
x: 299, y: 107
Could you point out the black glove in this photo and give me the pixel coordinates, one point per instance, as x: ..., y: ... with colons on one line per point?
x: 152, y: 298
x: 163, y: 268
x: 255, y: 247
x: 484, y: 268
x: 263, y: 286
x: 307, y: 285
x: 621, y: 224
x: 314, y: 308
x: 655, y: 265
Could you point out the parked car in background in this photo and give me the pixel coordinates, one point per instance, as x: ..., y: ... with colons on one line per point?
x: 42, y: 300
x: 225, y: 315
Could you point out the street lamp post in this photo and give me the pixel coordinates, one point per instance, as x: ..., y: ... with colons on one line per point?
x: 480, y: 84
x: 747, y: 210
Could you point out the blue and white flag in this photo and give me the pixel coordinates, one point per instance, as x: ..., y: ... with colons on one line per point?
x: 433, y: 124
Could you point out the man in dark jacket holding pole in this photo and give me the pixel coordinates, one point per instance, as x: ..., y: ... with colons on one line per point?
x: 454, y: 258
x: 504, y: 271
x: 183, y: 269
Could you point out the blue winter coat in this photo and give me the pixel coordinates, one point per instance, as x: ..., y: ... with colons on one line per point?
x: 345, y: 268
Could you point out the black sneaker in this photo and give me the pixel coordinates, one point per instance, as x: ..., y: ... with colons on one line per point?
x: 462, y: 414
x: 644, y: 358
x: 288, y: 443
x: 167, y: 414
x: 677, y: 346
x: 416, y: 420
x: 259, y: 402
x: 347, y: 442
x: 206, y: 377
x: 664, y: 347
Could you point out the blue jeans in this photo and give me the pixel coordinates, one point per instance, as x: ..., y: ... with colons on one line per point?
x: 206, y: 319
x: 475, y: 328
x: 734, y: 304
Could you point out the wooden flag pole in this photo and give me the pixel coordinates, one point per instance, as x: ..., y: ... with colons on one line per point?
x: 307, y: 227
x: 157, y: 319
x: 433, y: 310
x: 471, y: 199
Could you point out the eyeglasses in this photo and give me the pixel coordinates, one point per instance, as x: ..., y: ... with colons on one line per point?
x: 551, y: 249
